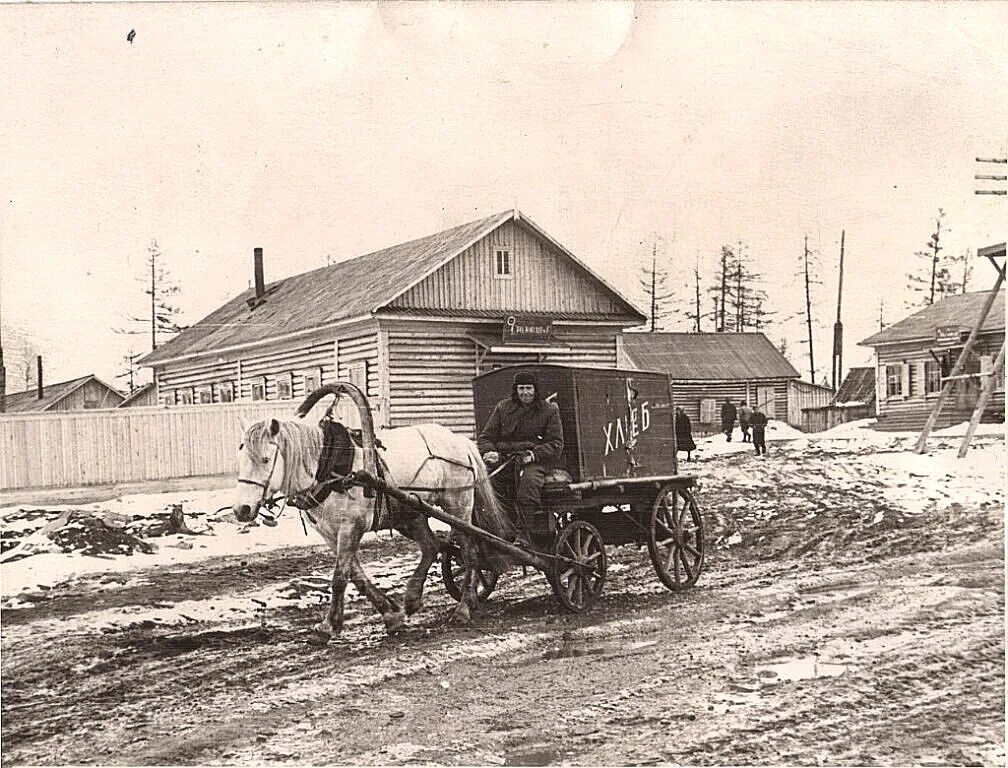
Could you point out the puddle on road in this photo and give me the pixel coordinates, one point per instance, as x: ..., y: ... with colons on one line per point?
x: 582, y: 647
x: 803, y: 668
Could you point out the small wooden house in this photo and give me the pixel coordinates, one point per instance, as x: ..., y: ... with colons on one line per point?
x: 853, y: 401
x: 411, y: 324
x: 709, y: 368
x: 140, y: 397
x: 78, y: 394
x: 914, y: 356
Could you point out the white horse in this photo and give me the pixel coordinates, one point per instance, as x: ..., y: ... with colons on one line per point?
x: 281, y: 457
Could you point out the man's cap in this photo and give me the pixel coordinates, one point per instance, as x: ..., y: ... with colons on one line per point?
x: 526, y: 377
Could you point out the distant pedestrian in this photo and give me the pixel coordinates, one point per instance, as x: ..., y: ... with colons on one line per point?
x: 744, y: 414
x: 758, y: 422
x: 684, y: 433
x: 728, y: 419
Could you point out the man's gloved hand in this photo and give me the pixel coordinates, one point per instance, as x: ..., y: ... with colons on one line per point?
x: 491, y: 457
x: 528, y: 457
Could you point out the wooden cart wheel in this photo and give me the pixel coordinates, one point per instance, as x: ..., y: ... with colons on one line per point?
x: 676, y: 538
x: 452, y: 566
x: 580, y: 569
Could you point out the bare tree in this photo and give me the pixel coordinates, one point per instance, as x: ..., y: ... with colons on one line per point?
x: 162, y: 290
x: 810, y: 266
x: 130, y: 372
x: 721, y: 288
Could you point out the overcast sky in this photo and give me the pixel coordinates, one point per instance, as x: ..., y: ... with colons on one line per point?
x: 330, y: 130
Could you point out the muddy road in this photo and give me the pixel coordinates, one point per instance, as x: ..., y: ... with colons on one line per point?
x: 829, y: 627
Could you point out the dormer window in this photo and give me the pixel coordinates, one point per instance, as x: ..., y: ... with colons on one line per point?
x: 502, y: 262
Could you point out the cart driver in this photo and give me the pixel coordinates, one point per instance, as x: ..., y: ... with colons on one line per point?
x: 528, y: 428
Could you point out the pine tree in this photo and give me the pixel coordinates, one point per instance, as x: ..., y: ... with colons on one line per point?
x: 932, y: 276
x: 654, y: 280
x: 161, y: 289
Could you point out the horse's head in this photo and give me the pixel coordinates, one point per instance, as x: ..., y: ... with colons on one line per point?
x: 261, y: 469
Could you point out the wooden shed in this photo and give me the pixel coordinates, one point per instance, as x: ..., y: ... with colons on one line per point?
x: 411, y: 324
x: 78, y: 394
x: 142, y: 396
x: 914, y: 356
x: 709, y: 368
x: 853, y: 401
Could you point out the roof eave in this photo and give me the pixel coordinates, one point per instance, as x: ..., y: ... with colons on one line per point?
x: 257, y: 343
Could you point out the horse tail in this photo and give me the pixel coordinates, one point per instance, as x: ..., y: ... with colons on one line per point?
x: 488, y: 511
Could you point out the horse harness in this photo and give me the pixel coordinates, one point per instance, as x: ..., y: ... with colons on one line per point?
x: 335, y: 474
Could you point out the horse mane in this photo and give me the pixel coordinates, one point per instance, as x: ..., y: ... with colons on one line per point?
x: 300, y: 444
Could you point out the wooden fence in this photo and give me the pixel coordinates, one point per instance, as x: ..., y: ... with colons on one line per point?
x: 82, y: 448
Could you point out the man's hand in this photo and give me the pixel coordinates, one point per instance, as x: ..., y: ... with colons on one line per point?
x: 528, y: 457
x: 491, y: 457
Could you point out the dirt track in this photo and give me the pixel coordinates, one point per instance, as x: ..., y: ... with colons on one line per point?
x: 819, y: 637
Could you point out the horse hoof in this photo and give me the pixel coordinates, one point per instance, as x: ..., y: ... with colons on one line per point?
x: 461, y: 614
x: 318, y: 638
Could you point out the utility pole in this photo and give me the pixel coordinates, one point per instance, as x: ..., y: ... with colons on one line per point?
x: 838, y: 325
x: 696, y: 275
x: 654, y: 297
x: 153, y: 297
x: 808, y: 313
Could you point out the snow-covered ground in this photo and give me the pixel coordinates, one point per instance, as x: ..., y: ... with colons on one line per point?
x: 915, y: 481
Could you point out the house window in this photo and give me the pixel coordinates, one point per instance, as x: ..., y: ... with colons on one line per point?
x: 708, y: 410
x: 356, y: 373
x: 225, y: 392
x: 894, y: 380
x: 502, y: 262
x: 258, y: 390
x: 183, y: 396
x: 932, y: 377
x: 312, y: 380
x: 204, y: 395
x: 284, y: 388
x: 911, y: 379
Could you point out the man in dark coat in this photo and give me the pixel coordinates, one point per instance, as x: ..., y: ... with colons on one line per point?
x: 684, y: 433
x: 728, y: 418
x: 529, y: 428
x: 758, y: 422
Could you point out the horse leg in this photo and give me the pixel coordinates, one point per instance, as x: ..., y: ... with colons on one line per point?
x: 420, y: 532
x: 470, y: 552
x: 393, y: 616
x: 332, y: 623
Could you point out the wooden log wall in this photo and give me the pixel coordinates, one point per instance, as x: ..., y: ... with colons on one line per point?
x: 687, y: 395
x: 431, y: 367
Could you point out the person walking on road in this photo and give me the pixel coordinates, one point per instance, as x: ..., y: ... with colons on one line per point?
x: 744, y: 414
x: 728, y: 418
x: 684, y: 433
x: 758, y: 422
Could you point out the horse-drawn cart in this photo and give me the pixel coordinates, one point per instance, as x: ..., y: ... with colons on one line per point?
x: 619, y: 436
x: 614, y: 487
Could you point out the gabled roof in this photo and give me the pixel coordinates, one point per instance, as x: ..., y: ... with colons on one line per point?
x: 708, y: 356
x: 138, y: 394
x: 960, y: 310
x: 858, y: 387
x: 28, y: 401
x: 350, y: 289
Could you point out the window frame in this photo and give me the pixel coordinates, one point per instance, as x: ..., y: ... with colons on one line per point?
x: 284, y: 380
x: 894, y: 381
x: 932, y: 378
x: 260, y: 385
x: 503, y: 262
x: 307, y: 374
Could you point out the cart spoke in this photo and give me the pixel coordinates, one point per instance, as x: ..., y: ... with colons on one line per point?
x: 692, y: 550
x: 686, y: 568
x: 675, y: 568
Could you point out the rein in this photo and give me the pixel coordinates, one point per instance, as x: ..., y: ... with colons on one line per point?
x: 266, y: 500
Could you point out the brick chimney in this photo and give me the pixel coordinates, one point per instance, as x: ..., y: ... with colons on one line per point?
x: 38, y: 363
x: 260, y: 284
